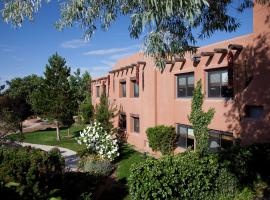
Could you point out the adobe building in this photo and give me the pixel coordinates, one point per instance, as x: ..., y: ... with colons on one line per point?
x: 235, y: 76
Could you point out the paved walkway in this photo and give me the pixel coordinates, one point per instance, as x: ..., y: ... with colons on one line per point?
x: 70, y: 156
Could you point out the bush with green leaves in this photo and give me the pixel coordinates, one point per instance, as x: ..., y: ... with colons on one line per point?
x: 96, y: 165
x: 31, y: 174
x: 248, y: 163
x: 185, y: 176
x: 162, y: 138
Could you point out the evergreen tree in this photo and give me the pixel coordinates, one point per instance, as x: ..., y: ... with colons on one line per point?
x: 200, y: 119
x: 55, y: 99
x: 104, y: 113
x: 86, y: 110
x: 80, y: 84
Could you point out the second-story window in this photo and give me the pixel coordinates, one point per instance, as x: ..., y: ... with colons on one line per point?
x: 185, y: 85
x: 97, y: 91
x: 218, y: 84
x: 123, y: 89
x: 134, y: 88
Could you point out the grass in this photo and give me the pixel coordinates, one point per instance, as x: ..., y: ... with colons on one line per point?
x: 48, y: 137
x: 128, y: 157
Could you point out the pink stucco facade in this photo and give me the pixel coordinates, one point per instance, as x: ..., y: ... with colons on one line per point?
x: 245, y: 115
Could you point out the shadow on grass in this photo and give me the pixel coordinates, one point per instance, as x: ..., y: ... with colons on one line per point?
x: 125, y: 153
x: 78, y: 185
x: 118, y: 190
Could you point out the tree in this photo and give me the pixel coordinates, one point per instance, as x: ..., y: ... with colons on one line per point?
x: 104, y: 113
x: 55, y: 99
x: 200, y: 119
x: 2, y: 87
x: 80, y: 84
x: 171, y: 28
x: 23, y: 87
x: 86, y: 110
x: 14, y: 110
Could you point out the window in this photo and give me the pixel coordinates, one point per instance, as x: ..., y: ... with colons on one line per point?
x: 135, y: 121
x: 217, y: 139
x: 104, y: 89
x: 123, y: 121
x: 186, y: 136
x: 185, y: 85
x: 254, y: 111
x: 218, y: 84
x: 220, y: 139
x: 97, y: 91
x: 135, y: 88
x: 123, y: 91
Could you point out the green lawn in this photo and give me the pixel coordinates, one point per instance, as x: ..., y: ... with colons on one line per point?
x: 48, y: 137
x: 128, y: 157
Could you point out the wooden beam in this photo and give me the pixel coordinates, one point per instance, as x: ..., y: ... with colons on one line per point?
x: 207, y: 53
x: 170, y: 62
x: 220, y: 50
x: 237, y: 47
x: 180, y: 60
x: 141, y: 62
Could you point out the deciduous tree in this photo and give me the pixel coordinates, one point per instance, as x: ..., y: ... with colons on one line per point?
x: 170, y: 27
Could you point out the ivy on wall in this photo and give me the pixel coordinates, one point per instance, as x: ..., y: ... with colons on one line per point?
x: 200, y: 119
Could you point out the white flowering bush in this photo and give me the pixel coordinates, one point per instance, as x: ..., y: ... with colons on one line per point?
x: 99, y: 141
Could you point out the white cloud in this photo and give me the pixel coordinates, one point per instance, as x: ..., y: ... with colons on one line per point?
x: 108, y: 62
x: 100, y: 52
x: 74, y: 44
x: 100, y: 68
x: 118, y: 56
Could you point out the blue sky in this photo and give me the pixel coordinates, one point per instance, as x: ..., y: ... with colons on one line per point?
x: 25, y: 50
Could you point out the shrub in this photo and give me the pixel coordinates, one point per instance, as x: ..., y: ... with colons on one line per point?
x: 96, y: 166
x: 162, y: 138
x: 186, y: 176
x: 249, y: 162
x: 99, y: 141
x: 31, y: 174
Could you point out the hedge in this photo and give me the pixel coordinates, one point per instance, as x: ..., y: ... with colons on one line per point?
x: 185, y: 176
x: 162, y: 138
x: 26, y: 173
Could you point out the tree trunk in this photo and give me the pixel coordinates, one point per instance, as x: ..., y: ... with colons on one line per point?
x: 58, y: 138
x: 21, y: 128
x: 68, y: 131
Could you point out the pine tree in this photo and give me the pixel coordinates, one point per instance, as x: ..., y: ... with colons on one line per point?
x: 55, y: 99
x: 104, y: 113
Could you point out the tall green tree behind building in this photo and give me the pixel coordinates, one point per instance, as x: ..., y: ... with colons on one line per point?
x: 104, y: 113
